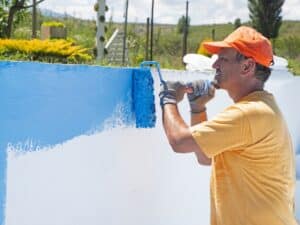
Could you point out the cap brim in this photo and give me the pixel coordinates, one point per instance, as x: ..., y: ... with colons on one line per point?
x: 215, y: 46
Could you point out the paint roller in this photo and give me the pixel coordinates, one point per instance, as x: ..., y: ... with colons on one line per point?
x: 156, y: 64
x: 143, y: 96
x: 143, y: 93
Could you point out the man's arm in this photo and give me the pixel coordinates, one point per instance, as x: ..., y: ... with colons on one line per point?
x: 179, y: 134
x: 197, y: 118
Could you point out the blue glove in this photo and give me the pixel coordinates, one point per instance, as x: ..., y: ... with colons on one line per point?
x: 200, y: 92
x: 171, y: 92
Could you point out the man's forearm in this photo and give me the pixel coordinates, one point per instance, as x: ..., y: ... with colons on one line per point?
x: 179, y: 134
x: 172, y: 121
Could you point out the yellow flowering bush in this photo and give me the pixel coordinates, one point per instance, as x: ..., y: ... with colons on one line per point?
x: 60, y: 50
x: 53, y: 24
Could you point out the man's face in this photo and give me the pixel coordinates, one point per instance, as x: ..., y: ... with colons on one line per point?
x: 228, y: 69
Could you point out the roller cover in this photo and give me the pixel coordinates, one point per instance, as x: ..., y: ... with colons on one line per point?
x: 143, y: 98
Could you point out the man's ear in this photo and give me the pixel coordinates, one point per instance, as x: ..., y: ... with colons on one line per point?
x: 248, y: 66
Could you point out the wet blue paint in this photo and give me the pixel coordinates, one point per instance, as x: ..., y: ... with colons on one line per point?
x: 48, y: 104
x: 52, y: 103
x: 143, y: 98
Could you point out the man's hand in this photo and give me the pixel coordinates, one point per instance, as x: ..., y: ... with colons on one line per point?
x: 171, y: 92
x: 199, y: 93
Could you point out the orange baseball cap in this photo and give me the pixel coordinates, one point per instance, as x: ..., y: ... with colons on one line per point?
x: 248, y: 42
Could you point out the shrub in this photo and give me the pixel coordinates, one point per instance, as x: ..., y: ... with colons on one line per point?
x: 61, y: 51
x: 288, y: 46
x: 53, y: 24
x: 294, y: 66
x: 137, y: 59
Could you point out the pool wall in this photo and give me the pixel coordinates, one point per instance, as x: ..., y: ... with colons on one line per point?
x: 50, y: 104
x: 47, y: 104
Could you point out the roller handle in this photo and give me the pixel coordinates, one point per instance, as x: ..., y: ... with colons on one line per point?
x: 156, y: 64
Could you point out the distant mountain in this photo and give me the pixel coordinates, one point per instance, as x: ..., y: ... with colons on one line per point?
x: 51, y: 13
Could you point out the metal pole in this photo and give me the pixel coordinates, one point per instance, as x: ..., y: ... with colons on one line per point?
x: 151, y: 31
x: 100, y: 29
x: 185, y: 32
x: 125, y: 33
x: 147, y: 40
x: 213, y: 34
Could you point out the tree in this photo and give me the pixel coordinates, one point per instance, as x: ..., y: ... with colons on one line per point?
x: 3, y: 17
x: 237, y: 23
x: 11, y: 8
x: 181, y: 24
x: 34, y: 19
x: 266, y: 16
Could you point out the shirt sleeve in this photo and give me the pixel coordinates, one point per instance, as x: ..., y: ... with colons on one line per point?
x: 228, y: 131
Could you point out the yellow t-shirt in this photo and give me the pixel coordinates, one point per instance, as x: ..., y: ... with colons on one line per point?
x: 253, y: 168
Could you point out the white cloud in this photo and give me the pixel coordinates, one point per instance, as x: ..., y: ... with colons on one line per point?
x: 290, y: 10
x: 169, y: 11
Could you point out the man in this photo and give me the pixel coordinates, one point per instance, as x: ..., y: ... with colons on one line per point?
x: 248, y: 144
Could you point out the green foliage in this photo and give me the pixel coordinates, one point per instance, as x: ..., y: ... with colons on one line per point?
x: 3, y: 21
x: 266, y: 16
x: 199, y: 33
x: 289, y: 28
x: 136, y: 44
x: 83, y: 32
x: 181, y: 24
x: 111, y: 26
x: 53, y: 24
x: 167, y: 48
x: 169, y: 45
x: 288, y: 46
x: 137, y: 59
x: 23, y: 29
x: 3, y: 17
x: 22, y: 33
x: 237, y: 23
x: 294, y: 66
x: 18, y: 16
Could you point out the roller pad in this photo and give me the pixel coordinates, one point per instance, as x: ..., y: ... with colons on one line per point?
x: 143, y: 98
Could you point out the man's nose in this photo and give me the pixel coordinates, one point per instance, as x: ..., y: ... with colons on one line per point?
x: 215, y: 65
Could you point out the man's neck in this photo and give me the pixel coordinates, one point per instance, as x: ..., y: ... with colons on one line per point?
x: 246, y: 90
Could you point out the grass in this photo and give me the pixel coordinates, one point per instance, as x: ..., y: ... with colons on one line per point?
x: 294, y: 66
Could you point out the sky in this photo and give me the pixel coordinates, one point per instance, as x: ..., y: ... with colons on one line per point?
x: 168, y: 11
